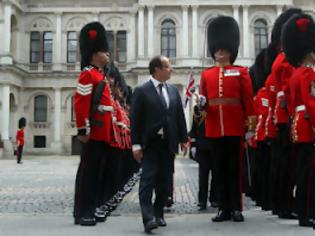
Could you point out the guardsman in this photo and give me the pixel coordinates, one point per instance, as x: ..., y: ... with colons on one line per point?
x: 227, y: 91
x: 93, y: 121
x: 279, y: 96
x: 298, y: 44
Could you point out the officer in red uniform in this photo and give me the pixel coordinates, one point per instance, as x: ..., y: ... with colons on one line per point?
x: 94, y: 128
x: 298, y: 44
x: 229, y: 102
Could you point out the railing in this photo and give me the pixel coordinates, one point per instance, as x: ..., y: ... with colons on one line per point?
x: 40, y: 125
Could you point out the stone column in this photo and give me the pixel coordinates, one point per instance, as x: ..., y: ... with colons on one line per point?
x: 141, y: 32
x: 195, y: 31
x: 6, y: 58
x: 57, y: 44
x: 56, y: 144
x: 246, y: 44
x: 185, y: 32
x: 5, y: 112
x: 279, y: 9
x: 236, y: 14
x: 131, y: 38
x: 150, y: 31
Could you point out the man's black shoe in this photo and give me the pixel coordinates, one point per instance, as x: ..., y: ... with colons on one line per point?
x: 85, y: 221
x: 149, y: 226
x: 287, y: 215
x: 222, y: 216
x: 306, y: 222
x: 214, y: 204
x: 161, y: 222
x: 237, y: 216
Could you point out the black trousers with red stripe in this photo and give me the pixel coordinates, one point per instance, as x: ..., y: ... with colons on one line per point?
x: 304, y: 180
x: 227, y: 171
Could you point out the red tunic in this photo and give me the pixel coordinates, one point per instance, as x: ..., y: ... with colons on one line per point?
x: 20, y: 137
x: 302, y: 87
x: 89, y: 78
x: 229, y: 100
x: 262, y: 108
x: 271, y: 90
x: 282, y: 72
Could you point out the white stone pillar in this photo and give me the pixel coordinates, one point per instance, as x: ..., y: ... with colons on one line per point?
x: 150, y: 31
x: 279, y: 9
x: 57, y: 44
x: 6, y: 58
x: 56, y: 144
x: 185, y: 32
x: 141, y: 32
x: 5, y: 112
x: 246, y: 44
x: 236, y: 14
x: 195, y: 31
x: 96, y: 16
x: 131, y: 38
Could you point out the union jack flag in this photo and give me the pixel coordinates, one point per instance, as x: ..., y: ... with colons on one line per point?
x: 190, y: 88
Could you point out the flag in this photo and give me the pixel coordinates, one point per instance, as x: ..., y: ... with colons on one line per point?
x: 190, y: 88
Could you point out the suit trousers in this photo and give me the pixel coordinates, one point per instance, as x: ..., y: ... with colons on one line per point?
x: 156, y: 174
x: 227, y: 171
x: 87, y: 178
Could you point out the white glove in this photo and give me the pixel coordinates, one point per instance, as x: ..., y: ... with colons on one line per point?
x: 202, y: 100
x: 193, y: 152
x: 249, y: 135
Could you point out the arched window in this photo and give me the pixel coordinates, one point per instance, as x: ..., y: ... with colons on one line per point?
x: 40, y: 108
x: 261, y: 35
x: 168, y: 39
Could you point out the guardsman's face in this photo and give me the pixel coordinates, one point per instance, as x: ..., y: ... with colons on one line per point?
x: 101, y: 57
x: 222, y: 56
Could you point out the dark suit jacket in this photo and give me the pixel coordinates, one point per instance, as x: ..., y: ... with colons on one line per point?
x: 148, y: 116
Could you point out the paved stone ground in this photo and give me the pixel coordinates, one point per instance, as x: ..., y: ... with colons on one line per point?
x: 36, y: 198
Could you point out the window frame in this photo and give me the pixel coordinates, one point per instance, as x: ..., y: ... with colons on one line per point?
x: 169, y: 36
x: 260, y: 32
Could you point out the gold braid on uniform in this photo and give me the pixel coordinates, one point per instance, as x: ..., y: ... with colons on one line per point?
x: 251, y: 123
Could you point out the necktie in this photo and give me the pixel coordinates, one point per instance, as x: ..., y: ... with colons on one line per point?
x: 161, y: 95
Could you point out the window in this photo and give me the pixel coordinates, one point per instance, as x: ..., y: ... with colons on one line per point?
x: 39, y: 141
x: 40, y: 108
x: 72, y: 109
x: 41, y: 47
x: 261, y: 35
x: 48, y: 37
x: 168, y: 39
x: 72, y: 44
x: 35, y: 47
x: 117, y: 43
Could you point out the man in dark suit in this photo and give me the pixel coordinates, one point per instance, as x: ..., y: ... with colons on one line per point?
x: 157, y: 127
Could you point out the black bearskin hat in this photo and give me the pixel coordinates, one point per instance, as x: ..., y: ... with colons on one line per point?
x: 280, y: 21
x: 22, y: 122
x: 223, y: 33
x: 92, y: 39
x: 298, y: 38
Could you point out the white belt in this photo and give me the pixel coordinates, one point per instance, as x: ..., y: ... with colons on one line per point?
x: 300, y: 108
x: 280, y: 94
x: 103, y: 108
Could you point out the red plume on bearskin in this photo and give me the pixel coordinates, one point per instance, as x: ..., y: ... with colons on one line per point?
x: 92, y: 39
x: 298, y: 38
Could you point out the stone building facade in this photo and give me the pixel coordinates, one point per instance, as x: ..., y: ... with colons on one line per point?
x: 39, y: 59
